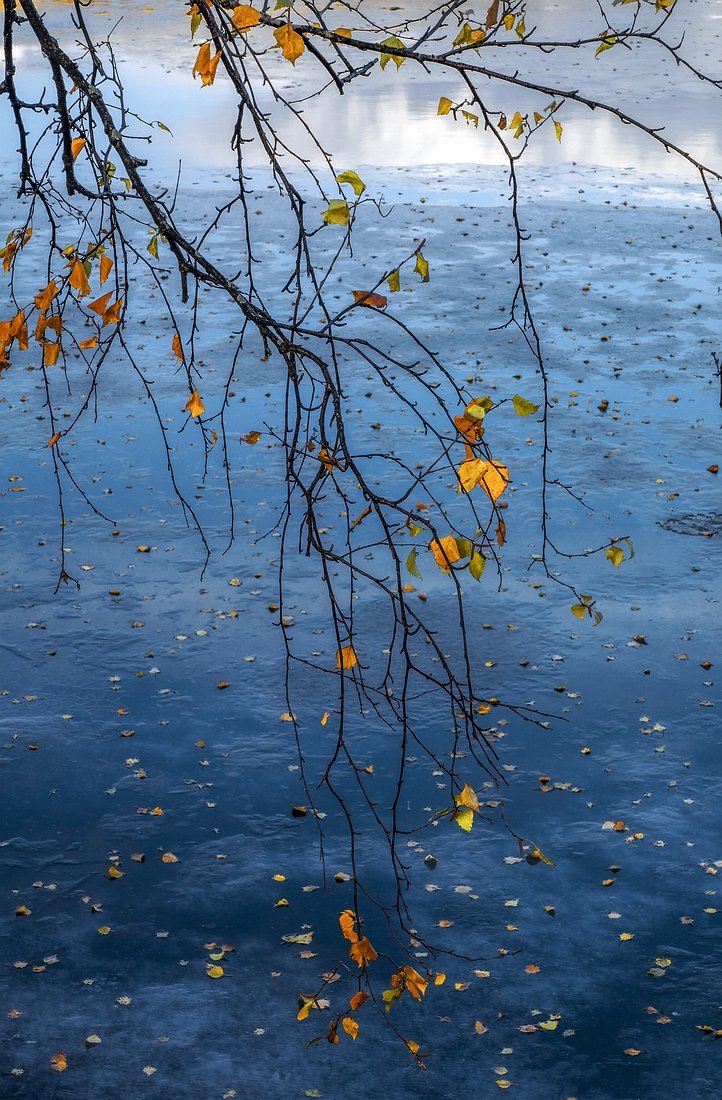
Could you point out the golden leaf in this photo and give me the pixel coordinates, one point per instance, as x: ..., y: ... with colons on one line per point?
x: 177, y: 347
x: 347, y: 921
x: 44, y: 298
x: 346, y: 657
x: 368, y: 298
x: 244, y: 17
x: 114, y: 872
x: 106, y: 266
x: 53, y: 439
x: 305, y: 1010
x: 357, y: 1000
x: 290, y: 43
x: 112, y: 314
x: 467, y: 797
x: 195, y: 405
x: 337, y: 213
x: 251, y: 438
x: 350, y: 1026
x: 100, y: 305
x: 206, y: 65
x: 349, y: 176
x: 445, y: 552
x: 445, y: 106
x: 464, y: 819
x: 78, y: 278
x: 362, y: 952
x: 615, y: 555
x: 413, y: 981
x: 215, y: 971
x: 91, y: 342
x: 51, y: 353
x: 76, y: 147
x: 59, y: 1062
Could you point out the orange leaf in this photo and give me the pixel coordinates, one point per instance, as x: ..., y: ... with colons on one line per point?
x: 100, y: 305
x: 78, y: 278
x: 350, y: 1026
x: 357, y: 1000
x: 76, y: 147
x: 252, y: 438
x: 53, y: 439
x: 59, y: 1062
x: 195, y: 405
x: 290, y: 43
x: 244, y: 17
x: 44, y: 298
x: 346, y: 657
x: 91, y: 342
x: 106, y: 266
x: 362, y: 952
x: 347, y: 921
x: 206, y: 65
x: 368, y: 298
x: 51, y: 353
x: 177, y: 346
x: 112, y: 315
x: 445, y: 552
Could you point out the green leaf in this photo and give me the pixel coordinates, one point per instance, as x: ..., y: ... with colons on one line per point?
x: 395, y: 44
x: 162, y: 126
x: 394, y: 282
x: 464, y: 547
x: 477, y: 565
x: 422, y: 267
x: 411, y: 564
x: 390, y: 997
x: 522, y: 407
x: 445, y: 106
x: 356, y: 182
x: 337, y: 213
x: 615, y: 555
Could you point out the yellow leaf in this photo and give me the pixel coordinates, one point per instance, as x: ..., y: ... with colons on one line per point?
x: 344, y: 32
x: 464, y: 819
x: 347, y: 921
x: 479, y: 1028
x: 53, y: 439
x: 522, y: 407
x: 413, y: 981
x: 290, y: 43
x: 395, y: 44
x: 558, y: 130
x: 350, y: 1026
x: 413, y: 1047
x: 356, y: 182
x: 337, y: 213
x: 615, y: 555
x: 632, y: 1052
x: 580, y: 610
x: 215, y: 971
x: 445, y: 106
x: 59, y: 1062
x: 626, y: 936
x: 394, y: 282
x: 477, y: 565
x: 305, y: 1010
x: 467, y: 797
x: 445, y: 552
x: 421, y: 267
x: 607, y: 44
x: 195, y: 405
x: 346, y: 657
x: 104, y: 930
x: 490, y: 476
x: 439, y: 979
x: 244, y: 17
x: 549, y: 1025
x: 362, y: 952
x: 169, y: 857
x: 76, y: 147
x: 503, y: 1083
x: 508, y: 21
x: 113, y: 872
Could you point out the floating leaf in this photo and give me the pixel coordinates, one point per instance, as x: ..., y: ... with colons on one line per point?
x: 59, y: 1062
x: 215, y: 971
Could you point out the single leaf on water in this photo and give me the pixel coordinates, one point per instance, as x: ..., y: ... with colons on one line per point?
x: 356, y: 182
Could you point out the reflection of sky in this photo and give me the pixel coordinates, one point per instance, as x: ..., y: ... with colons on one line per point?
x: 390, y: 117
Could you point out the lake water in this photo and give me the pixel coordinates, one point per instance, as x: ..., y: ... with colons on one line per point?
x: 109, y: 699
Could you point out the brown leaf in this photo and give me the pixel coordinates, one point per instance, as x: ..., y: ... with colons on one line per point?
x: 368, y: 298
